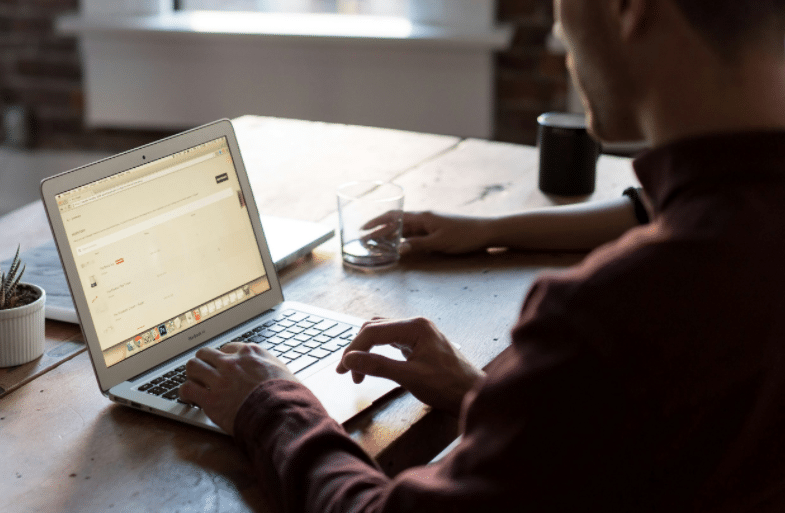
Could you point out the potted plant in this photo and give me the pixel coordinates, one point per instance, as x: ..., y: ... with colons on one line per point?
x: 22, y: 319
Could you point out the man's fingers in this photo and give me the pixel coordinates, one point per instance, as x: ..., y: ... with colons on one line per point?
x: 390, y: 217
x: 379, y: 232
x: 198, y: 370
x: 371, y: 364
x: 373, y: 333
x: 423, y: 244
x: 413, y: 224
x: 194, y: 393
x: 209, y: 355
x: 232, y: 347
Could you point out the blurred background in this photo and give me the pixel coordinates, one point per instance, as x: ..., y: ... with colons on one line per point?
x: 82, y: 79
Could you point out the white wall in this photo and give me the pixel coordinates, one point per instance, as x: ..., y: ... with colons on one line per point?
x: 159, y: 72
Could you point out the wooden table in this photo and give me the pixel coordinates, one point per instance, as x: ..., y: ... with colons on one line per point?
x: 67, y: 448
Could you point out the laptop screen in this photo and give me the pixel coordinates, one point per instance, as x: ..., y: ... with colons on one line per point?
x: 162, y: 247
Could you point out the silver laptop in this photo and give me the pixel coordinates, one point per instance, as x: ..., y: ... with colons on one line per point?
x: 164, y: 253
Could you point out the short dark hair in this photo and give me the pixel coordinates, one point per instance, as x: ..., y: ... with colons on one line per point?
x: 731, y: 24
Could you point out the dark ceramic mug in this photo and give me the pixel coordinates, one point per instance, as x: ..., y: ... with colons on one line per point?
x: 568, y: 154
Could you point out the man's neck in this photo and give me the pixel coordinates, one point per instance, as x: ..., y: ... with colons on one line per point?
x: 716, y: 98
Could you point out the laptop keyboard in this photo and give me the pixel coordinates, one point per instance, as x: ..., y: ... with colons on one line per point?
x: 297, y: 338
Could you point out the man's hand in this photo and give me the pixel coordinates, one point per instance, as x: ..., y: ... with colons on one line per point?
x: 434, y: 371
x: 426, y: 232
x: 220, y: 381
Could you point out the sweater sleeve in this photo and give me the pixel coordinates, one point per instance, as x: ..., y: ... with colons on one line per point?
x: 314, y: 465
x: 521, y: 428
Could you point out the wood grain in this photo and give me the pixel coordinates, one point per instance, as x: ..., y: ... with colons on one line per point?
x: 67, y: 448
x: 63, y: 341
x: 295, y: 166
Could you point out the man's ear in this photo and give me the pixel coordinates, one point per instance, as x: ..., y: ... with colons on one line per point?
x: 633, y: 16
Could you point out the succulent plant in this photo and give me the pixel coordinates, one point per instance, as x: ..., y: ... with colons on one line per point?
x: 9, y: 283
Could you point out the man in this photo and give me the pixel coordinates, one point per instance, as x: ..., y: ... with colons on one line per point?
x: 651, y: 377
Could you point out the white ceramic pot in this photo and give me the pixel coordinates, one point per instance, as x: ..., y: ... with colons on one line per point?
x: 22, y: 332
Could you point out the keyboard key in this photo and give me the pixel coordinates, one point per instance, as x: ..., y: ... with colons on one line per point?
x: 181, y: 368
x: 343, y: 342
x: 314, y: 319
x: 319, y: 353
x: 322, y: 339
x: 296, y: 329
x: 291, y: 354
x: 312, y: 344
x: 325, y: 325
x: 170, y: 374
x: 266, y: 345
x: 301, y: 363
x: 286, y: 324
x: 302, y: 337
x: 306, y: 324
x: 157, y: 391
x: 289, y: 313
x: 286, y: 334
x: 145, y: 387
x: 248, y: 334
x: 331, y: 346
x: 257, y: 339
x: 276, y: 352
x: 276, y: 328
x: 258, y: 329
x: 169, y: 384
x: 337, y: 330
x: 297, y: 316
x: 158, y: 380
x: 291, y: 343
x: 268, y: 324
x: 302, y: 349
x: 172, y: 395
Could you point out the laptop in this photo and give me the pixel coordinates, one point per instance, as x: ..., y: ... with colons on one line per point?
x: 164, y: 253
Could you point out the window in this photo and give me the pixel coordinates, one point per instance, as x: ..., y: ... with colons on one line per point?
x: 373, y: 7
x: 472, y: 15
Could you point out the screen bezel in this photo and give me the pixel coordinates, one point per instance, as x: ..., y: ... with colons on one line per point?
x: 190, y: 337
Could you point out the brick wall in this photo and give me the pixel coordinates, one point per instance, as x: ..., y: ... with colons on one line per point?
x: 40, y: 71
x: 529, y: 79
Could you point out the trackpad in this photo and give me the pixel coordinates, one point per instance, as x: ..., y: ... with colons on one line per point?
x: 341, y: 397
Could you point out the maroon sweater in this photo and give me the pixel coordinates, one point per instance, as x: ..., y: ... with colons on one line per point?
x: 651, y: 377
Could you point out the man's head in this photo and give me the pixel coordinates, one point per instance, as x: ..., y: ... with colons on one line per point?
x: 638, y: 63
